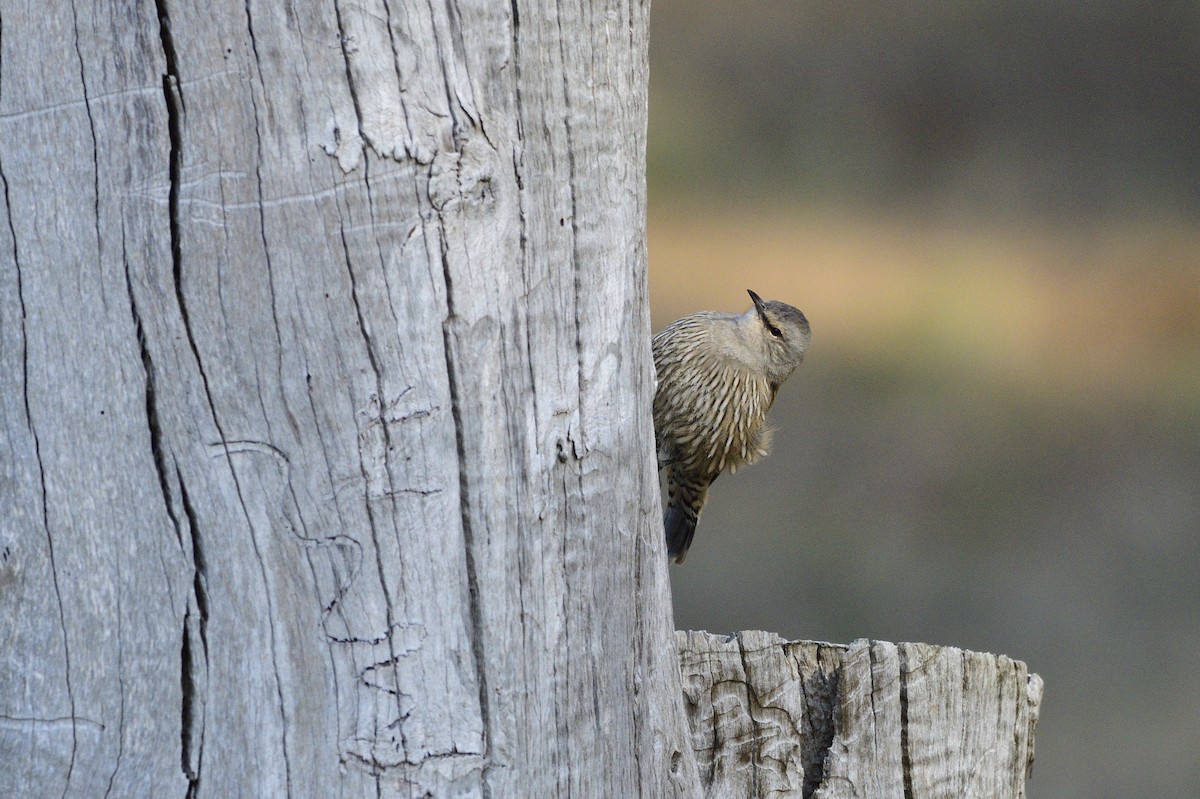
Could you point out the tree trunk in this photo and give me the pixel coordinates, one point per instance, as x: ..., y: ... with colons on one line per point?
x: 772, y: 718
x: 328, y: 466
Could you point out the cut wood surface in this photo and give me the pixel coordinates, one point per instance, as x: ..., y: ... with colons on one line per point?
x: 772, y: 718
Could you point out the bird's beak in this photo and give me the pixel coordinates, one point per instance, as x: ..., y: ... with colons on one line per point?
x: 758, y: 303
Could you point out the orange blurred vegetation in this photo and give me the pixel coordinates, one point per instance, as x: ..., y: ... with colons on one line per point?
x: 1099, y: 311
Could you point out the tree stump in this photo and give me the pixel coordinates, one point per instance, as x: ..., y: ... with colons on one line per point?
x: 774, y: 718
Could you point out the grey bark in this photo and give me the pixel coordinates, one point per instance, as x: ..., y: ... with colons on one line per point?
x: 327, y: 464
x: 773, y: 718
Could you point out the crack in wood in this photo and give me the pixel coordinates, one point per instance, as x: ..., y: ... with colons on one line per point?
x: 62, y: 619
x: 16, y: 263
x: 152, y: 421
x: 450, y: 329
x: 194, y: 669
x: 78, y: 722
x: 87, y: 105
x: 905, y: 750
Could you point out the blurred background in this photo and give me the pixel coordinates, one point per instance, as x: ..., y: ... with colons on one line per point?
x: 990, y: 213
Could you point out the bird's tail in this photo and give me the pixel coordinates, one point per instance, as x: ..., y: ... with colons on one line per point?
x: 684, y: 503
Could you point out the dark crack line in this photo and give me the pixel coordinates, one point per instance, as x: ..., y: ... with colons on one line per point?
x: 121, y: 687
x: 447, y: 65
x: 175, y: 112
x: 715, y: 737
x: 12, y: 230
x: 358, y: 116
x: 905, y: 753
x: 518, y: 165
x: 176, y: 109
x: 156, y: 453
x: 82, y: 721
x: 811, y: 779
x: 469, y: 541
x: 193, y: 728
x: 62, y: 620
x: 576, y: 256
x: 752, y: 702
x: 187, y: 686
x: 871, y: 694
x: 639, y: 704
x: 199, y: 563
x: 516, y: 44
x: 152, y: 419
x: 87, y: 104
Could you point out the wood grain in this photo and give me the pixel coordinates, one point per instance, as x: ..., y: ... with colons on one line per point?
x: 775, y: 718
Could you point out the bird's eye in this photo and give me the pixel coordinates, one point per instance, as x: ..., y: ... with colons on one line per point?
x: 776, y: 332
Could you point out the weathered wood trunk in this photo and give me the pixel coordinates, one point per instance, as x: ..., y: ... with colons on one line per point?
x: 327, y: 464
x: 772, y: 718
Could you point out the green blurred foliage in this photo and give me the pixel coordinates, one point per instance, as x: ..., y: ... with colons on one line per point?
x: 1051, y: 107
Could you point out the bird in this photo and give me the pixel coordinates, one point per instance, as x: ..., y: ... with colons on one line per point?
x: 717, y: 375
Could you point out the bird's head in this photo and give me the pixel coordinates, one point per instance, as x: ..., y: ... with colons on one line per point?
x: 785, y: 336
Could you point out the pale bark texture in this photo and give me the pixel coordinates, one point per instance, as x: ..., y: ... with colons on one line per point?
x: 324, y: 392
x: 772, y: 718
